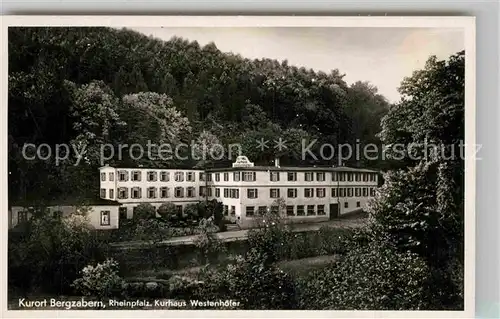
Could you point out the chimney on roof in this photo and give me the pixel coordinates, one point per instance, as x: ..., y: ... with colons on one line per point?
x: 277, y: 162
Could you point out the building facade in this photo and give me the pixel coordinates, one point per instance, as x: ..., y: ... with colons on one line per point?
x: 102, y: 214
x: 306, y: 194
x: 134, y: 186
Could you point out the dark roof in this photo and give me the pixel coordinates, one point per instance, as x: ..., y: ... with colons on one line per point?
x: 94, y: 201
x: 260, y: 168
x: 102, y: 201
x: 294, y: 169
x: 154, y: 168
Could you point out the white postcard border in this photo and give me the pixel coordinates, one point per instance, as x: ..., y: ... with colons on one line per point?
x: 467, y: 23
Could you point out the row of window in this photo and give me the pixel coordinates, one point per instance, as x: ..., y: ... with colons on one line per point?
x: 353, y: 177
x: 291, y: 210
x: 179, y: 192
x: 153, y: 192
x: 292, y: 176
x: 308, y: 192
x: 152, y: 176
x: 321, y: 177
x: 237, y: 176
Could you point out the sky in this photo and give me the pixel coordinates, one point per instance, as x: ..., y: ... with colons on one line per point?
x: 381, y: 56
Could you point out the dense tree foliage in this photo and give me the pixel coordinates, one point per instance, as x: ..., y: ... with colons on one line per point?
x: 144, y: 211
x: 368, y: 278
x: 100, y: 85
x: 411, y: 256
x: 100, y: 280
x: 420, y: 209
x: 50, y: 254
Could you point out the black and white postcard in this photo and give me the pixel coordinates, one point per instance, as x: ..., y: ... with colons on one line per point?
x: 225, y: 164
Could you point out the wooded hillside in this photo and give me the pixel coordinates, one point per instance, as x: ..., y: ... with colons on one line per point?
x: 99, y: 85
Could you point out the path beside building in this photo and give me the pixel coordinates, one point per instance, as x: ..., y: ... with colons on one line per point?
x: 242, y: 234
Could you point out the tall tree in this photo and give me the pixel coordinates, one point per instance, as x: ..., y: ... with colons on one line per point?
x: 420, y: 207
x: 365, y: 108
x: 152, y: 119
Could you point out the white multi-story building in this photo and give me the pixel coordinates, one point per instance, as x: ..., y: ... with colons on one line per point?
x: 245, y: 190
x: 134, y: 186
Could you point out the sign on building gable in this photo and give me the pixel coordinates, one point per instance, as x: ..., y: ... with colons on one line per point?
x: 242, y: 161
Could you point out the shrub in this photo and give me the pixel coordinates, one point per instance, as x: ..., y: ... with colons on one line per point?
x: 150, y: 289
x: 215, y: 209
x: 134, y: 289
x: 339, y: 240
x: 144, y: 211
x: 253, y: 279
x: 192, y: 212
x: 52, y: 252
x: 125, y: 232
x: 167, y: 211
x: 152, y: 232
x: 57, y: 214
x: 258, y: 286
x: 183, y: 287
x: 177, y: 232
x: 248, y: 280
x: 368, y: 278
x: 214, y: 283
x: 300, y: 245
x: 207, y: 242
x: 101, y: 280
x: 270, y: 241
x: 416, y: 211
x: 77, y: 222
